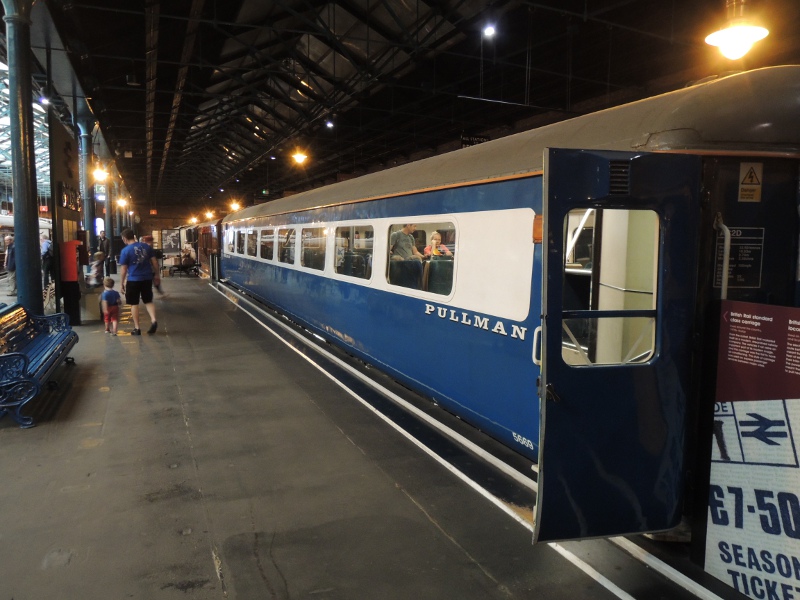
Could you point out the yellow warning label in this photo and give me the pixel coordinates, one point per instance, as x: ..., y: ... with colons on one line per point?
x: 750, y: 178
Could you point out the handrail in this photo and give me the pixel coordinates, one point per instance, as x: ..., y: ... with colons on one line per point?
x: 726, y: 251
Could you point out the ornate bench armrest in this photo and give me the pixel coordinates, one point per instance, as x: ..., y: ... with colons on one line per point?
x: 50, y: 323
x: 13, y: 367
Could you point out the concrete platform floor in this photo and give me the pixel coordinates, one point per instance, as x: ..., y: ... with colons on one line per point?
x: 208, y: 461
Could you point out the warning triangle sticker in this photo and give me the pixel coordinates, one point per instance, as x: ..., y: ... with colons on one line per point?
x: 751, y: 178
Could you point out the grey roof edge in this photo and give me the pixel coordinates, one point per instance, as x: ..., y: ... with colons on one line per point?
x: 749, y: 112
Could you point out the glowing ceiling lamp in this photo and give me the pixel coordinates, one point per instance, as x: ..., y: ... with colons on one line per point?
x: 299, y: 157
x: 739, y: 34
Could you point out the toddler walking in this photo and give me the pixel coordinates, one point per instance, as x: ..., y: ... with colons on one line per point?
x: 110, y: 299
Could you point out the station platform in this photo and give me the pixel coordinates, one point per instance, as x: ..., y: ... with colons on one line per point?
x: 211, y: 461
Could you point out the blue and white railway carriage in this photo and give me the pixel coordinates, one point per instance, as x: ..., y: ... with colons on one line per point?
x: 573, y: 318
x: 446, y: 326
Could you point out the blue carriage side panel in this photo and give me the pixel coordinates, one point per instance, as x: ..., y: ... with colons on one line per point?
x: 484, y: 371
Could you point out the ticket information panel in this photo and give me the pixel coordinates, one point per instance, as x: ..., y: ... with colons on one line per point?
x: 753, y: 537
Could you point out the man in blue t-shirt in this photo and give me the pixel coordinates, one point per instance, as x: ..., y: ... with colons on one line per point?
x: 138, y: 270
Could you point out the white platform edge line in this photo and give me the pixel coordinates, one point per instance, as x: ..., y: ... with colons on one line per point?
x: 664, y: 569
x: 569, y: 556
x: 477, y: 450
x: 629, y: 547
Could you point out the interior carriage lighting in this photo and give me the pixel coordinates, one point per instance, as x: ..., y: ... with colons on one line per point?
x: 299, y: 157
x: 739, y: 34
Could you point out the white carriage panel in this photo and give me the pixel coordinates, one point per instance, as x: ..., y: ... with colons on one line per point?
x: 494, y: 262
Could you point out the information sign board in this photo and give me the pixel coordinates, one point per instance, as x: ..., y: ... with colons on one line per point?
x: 753, y: 533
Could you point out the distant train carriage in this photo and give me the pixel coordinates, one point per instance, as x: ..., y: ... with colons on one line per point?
x: 208, y: 236
x: 573, y: 316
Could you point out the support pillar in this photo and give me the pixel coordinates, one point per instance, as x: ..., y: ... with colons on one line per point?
x: 87, y: 183
x: 111, y: 202
x: 23, y: 165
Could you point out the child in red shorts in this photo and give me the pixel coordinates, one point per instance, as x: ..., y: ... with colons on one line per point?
x: 110, y: 299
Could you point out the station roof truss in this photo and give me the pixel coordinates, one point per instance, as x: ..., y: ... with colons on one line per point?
x: 201, y: 102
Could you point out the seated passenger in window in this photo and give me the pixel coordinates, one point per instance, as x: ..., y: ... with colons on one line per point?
x: 436, y: 247
x: 401, y: 244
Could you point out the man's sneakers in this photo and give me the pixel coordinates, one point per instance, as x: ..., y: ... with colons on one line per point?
x: 151, y: 331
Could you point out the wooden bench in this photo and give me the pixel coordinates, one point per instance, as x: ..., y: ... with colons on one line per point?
x: 31, y: 348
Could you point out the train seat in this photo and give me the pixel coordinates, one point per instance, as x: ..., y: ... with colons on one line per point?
x: 406, y: 273
x: 440, y: 276
x: 354, y: 265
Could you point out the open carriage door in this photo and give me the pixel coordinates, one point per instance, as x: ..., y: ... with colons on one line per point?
x: 619, y: 287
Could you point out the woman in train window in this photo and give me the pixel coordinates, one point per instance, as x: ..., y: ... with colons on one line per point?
x: 436, y: 247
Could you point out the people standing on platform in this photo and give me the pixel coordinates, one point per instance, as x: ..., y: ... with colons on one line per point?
x: 46, y: 248
x: 110, y: 301
x: 11, y: 266
x: 104, y: 246
x: 138, y: 273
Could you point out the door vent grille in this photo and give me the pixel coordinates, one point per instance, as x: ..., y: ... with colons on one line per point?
x: 619, y: 178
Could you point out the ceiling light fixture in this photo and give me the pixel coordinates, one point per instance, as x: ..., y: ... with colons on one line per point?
x: 299, y: 157
x: 740, y: 32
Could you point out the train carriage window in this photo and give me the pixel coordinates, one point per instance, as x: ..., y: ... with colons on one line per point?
x: 229, y: 237
x: 240, y: 242
x: 313, y: 242
x: 422, y: 256
x: 267, y: 244
x: 354, y: 251
x: 252, y: 242
x: 286, y: 246
x: 611, y: 267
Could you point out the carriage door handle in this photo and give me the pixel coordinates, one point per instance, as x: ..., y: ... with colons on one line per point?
x: 550, y: 393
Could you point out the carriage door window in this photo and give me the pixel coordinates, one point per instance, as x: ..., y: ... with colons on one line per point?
x: 240, y: 242
x: 286, y: 246
x: 267, y: 244
x: 252, y: 242
x: 611, y: 266
x: 314, y: 242
x: 354, y: 251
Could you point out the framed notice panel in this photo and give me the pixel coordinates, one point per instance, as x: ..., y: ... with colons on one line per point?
x: 753, y: 537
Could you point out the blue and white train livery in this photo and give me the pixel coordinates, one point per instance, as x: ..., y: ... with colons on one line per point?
x: 569, y: 311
